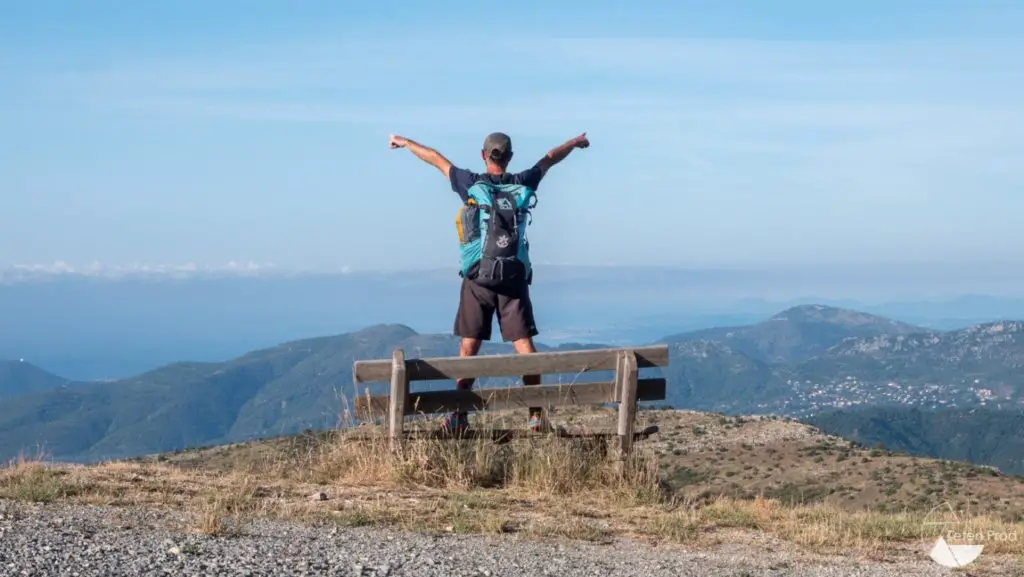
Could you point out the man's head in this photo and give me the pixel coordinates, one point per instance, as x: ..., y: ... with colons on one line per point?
x: 497, y: 151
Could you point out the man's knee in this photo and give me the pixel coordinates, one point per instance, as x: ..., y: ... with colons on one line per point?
x: 525, y: 346
x: 469, y: 347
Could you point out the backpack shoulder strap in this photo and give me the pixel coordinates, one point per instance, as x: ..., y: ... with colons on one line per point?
x: 481, y: 191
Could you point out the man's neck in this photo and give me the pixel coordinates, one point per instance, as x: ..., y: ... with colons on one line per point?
x: 495, y: 170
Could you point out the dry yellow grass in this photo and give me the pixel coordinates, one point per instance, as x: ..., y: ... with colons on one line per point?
x: 538, y: 486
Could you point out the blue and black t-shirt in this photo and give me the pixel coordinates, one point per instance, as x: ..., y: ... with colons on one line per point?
x: 462, y: 179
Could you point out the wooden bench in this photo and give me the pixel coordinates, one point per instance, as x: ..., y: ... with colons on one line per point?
x: 626, y: 388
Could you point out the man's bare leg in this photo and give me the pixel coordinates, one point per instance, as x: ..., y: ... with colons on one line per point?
x: 468, y: 348
x: 525, y: 346
x: 458, y: 421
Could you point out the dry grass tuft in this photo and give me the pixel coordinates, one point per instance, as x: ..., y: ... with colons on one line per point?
x: 26, y: 479
x: 223, y: 513
x: 828, y: 529
x: 540, y: 466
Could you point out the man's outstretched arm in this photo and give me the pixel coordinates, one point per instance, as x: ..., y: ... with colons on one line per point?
x: 558, y: 153
x: 424, y: 153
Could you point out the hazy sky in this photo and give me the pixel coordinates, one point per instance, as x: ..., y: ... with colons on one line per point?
x: 172, y: 131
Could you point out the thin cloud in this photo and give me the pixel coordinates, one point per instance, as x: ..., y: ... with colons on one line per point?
x: 860, y: 118
x: 644, y: 82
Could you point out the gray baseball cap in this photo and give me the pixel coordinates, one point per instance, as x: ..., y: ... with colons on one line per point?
x: 497, y: 145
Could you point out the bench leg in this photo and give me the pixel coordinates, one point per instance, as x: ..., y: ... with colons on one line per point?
x: 399, y: 394
x: 626, y: 385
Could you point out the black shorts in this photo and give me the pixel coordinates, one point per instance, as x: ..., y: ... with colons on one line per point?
x: 478, y: 304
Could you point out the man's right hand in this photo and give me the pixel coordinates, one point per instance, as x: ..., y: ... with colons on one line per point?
x: 424, y: 153
x: 581, y: 141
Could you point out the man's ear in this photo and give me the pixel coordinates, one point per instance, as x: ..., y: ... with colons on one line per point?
x: 510, y: 155
x: 483, y: 155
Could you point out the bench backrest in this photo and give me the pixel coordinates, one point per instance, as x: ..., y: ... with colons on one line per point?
x: 450, y: 368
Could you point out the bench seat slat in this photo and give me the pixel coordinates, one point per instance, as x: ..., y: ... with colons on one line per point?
x: 430, y: 402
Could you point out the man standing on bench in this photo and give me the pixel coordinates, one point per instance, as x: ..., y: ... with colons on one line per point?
x: 496, y: 272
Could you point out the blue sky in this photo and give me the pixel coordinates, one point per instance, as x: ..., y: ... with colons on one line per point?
x: 723, y: 133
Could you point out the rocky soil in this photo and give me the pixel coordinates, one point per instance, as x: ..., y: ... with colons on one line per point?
x: 79, y: 540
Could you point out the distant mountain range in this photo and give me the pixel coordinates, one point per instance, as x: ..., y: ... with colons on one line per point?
x: 799, y: 333
x: 803, y: 361
x: 99, y: 322
x: 975, y: 435
x: 280, y: 390
x: 20, y: 378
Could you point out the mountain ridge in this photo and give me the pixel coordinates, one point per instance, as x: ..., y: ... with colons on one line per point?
x: 306, y: 383
x: 784, y: 337
x: 18, y: 377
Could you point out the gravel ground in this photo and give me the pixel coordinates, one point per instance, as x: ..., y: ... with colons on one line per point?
x: 85, y: 540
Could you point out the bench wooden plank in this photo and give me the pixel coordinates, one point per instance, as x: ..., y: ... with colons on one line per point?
x: 501, y: 436
x: 512, y: 397
x: 450, y: 368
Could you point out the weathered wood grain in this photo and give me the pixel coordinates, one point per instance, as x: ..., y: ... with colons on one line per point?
x: 444, y: 368
x: 628, y: 389
x: 429, y: 402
